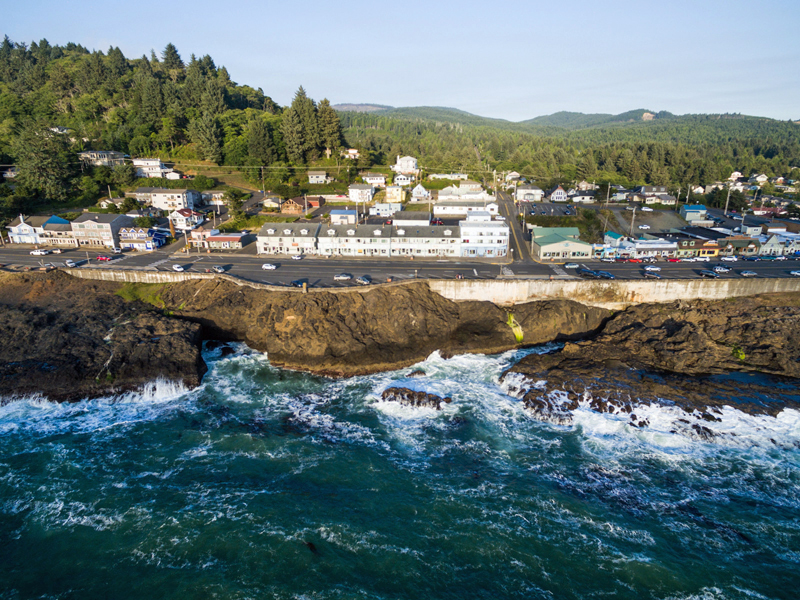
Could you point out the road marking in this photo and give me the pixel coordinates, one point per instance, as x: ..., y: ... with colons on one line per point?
x: 506, y: 271
x: 476, y: 272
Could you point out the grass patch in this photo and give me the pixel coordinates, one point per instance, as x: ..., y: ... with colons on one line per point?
x: 254, y: 222
x: 145, y: 292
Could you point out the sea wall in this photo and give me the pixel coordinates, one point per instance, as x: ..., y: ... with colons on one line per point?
x: 508, y: 292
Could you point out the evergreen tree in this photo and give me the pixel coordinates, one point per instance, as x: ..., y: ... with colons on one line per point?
x: 307, y: 113
x: 293, y: 139
x: 260, y: 147
x: 43, y: 159
x: 170, y: 58
x: 330, y: 128
x: 207, y: 134
x: 213, y: 99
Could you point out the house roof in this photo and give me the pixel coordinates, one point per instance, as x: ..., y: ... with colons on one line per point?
x: 556, y: 238
x: 358, y: 231
x: 429, y: 231
x: 100, y: 217
x: 342, y: 211
x: 570, y: 232
x: 294, y: 229
x: 412, y: 215
x: 58, y: 226
x: 317, y: 173
x: 360, y: 186
x: 32, y: 221
x: 693, y: 207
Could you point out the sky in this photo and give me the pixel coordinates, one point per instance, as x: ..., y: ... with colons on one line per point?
x: 505, y: 59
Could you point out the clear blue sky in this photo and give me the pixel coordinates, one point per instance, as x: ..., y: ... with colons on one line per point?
x: 506, y: 59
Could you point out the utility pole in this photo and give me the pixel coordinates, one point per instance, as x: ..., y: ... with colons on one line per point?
x: 633, y: 218
x: 728, y: 199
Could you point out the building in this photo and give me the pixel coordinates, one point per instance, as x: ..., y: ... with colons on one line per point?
x: 694, y: 212
x: 663, y: 199
x: 740, y: 246
x: 198, y: 238
x: 141, y: 239
x: 395, y: 193
x: 480, y: 237
x: 186, y: 219
x: 318, y: 177
x: 420, y: 194
x: 213, y: 197
x: 448, y: 176
x: 403, y: 180
x: 102, y: 158
x: 406, y: 165
x: 426, y: 240
x: 558, y: 243
x: 385, y: 209
x: 529, y: 193
x: 459, y: 193
x: 294, y: 206
x: 583, y: 196
x: 463, y: 207
x: 153, y: 167
x: 374, y: 179
x: 344, y: 217
x: 92, y: 229
x: 410, y: 218
x: 288, y: 238
x: 31, y: 230
x: 351, y: 153
x: 472, y: 186
x: 361, y: 192
x: 166, y: 199
x: 355, y: 240
x: 272, y: 202
x: 315, y: 202
x: 57, y: 233
x: 228, y: 241
x: 557, y: 194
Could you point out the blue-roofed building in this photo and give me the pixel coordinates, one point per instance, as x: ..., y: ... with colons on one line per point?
x: 696, y: 212
x: 341, y: 216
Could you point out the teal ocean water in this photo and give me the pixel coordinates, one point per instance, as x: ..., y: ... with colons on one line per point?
x: 264, y: 483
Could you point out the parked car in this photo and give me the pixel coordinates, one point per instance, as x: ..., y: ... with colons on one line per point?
x: 652, y: 268
x: 297, y: 257
x: 651, y: 275
x: 70, y: 263
x: 364, y: 280
x: 673, y: 259
x: 605, y: 275
x: 752, y: 258
x: 299, y: 282
x: 117, y: 250
x: 389, y: 222
x: 630, y: 208
x: 709, y: 274
x: 767, y: 257
x: 748, y: 274
x: 567, y: 212
x: 647, y: 209
x: 644, y: 226
x: 57, y: 250
x: 588, y: 273
x: 177, y: 268
x: 103, y: 257
x: 268, y: 267
x: 218, y: 269
x: 702, y: 258
x: 635, y: 260
x: 342, y: 277
x: 722, y: 269
x: 781, y: 257
x: 499, y: 218
x: 571, y: 266
x: 688, y: 259
x: 437, y: 222
x: 40, y: 252
x: 729, y: 258
x: 737, y: 218
x: 607, y: 259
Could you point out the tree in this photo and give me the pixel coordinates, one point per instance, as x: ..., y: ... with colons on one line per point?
x: 145, y: 221
x: 307, y: 114
x: 260, y: 147
x: 207, y: 134
x: 330, y: 128
x: 124, y: 175
x: 293, y: 138
x: 170, y: 58
x: 43, y: 159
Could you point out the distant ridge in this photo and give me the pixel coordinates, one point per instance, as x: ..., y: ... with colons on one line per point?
x: 362, y: 108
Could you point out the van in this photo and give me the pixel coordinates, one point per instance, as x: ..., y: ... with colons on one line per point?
x: 117, y: 250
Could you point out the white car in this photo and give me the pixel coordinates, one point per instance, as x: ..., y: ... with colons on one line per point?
x: 781, y: 257
x: 342, y: 277
x: 499, y: 218
x: 268, y: 267
x: 652, y: 268
x: 647, y: 209
x: 644, y: 226
x: 177, y: 268
x: 688, y: 259
x: 571, y: 266
x: 70, y: 263
x: 40, y: 252
x: 702, y: 258
x: 795, y: 273
x: 729, y: 258
x: 57, y: 250
x: 297, y: 257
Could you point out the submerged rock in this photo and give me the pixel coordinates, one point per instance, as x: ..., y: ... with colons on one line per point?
x: 409, y: 397
x: 417, y: 373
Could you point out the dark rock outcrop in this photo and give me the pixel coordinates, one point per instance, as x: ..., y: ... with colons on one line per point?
x: 70, y: 339
x: 414, y: 398
x: 696, y: 356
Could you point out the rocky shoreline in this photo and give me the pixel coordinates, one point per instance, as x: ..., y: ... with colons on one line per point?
x: 68, y: 339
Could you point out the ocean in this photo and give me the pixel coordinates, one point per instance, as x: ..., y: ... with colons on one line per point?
x: 265, y: 483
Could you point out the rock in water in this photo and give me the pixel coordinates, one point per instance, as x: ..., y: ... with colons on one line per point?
x: 412, y: 398
x: 417, y: 373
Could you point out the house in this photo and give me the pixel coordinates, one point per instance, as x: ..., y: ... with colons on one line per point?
x: 288, y: 238
x: 529, y: 193
x: 480, y: 237
x: 470, y: 185
x: 141, y: 239
x: 558, y: 243
x: 315, y: 202
x: 228, y: 241
x: 583, y: 197
x: 374, y: 179
x: 294, y: 206
x: 758, y: 179
x: 448, y: 176
x: 425, y: 240
x: 92, y: 229
x: 186, y: 219
x: 102, y: 158
x: 771, y: 246
x: 664, y: 199
x: 198, y: 238
x: 557, y: 194
x: 344, y: 217
x: 166, y: 199
x: 462, y: 207
x: 420, y: 194
x: 361, y: 192
x: 735, y: 176
x: 585, y: 185
x: 109, y: 202
x: 351, y: 153
x: 739, y: 246
x: 213, y: 197
x: 693, y: 212
x: 697, y: 189
x: 355, y: 240
x: 457, y: 193
x: 513, y: 176
x: 409, y: 218
x: 272, y: 202
x: 650, y: 190
x: 153, y: 167
x: 403, y: 180
x: 30, y: 230
x: 395, y: 193
x: 406, y: 165
x: 57, y: 233
x: 318, y: 177
x: 385, y: 209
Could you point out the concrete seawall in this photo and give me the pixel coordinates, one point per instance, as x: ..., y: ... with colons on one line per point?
x: 507, y: 292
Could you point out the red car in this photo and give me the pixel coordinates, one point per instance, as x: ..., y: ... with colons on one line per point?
x: 635, y: 260
x: 389, y: 222
x: 103, y: 257
x: 673, y: 260
x: 437, y: 222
